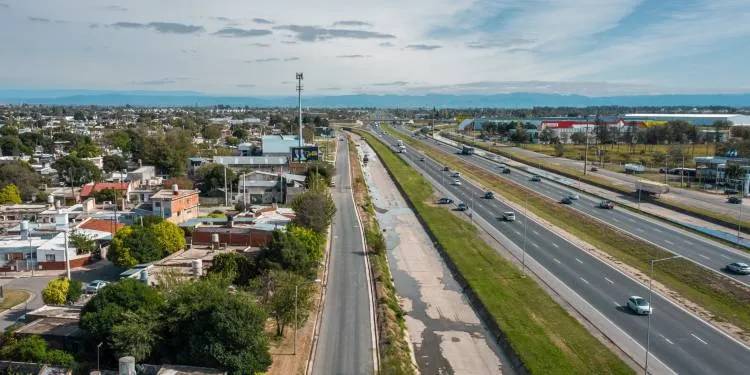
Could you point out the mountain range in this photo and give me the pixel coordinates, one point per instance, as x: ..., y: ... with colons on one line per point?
x: 509, y: 100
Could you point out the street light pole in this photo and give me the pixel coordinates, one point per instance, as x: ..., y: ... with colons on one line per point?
x: 650, y: 306
x: 525, y: 229
x: 98, y: 346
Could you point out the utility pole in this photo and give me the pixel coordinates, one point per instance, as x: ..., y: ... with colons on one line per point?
x: 650, y: 306
x: 586, y: 150
x: 299, y: 100
x: 226, y: 193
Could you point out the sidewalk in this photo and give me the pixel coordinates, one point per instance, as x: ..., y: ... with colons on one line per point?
x: 692, y: 222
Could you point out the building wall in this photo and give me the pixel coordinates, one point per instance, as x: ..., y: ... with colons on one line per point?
x: 254, y: 238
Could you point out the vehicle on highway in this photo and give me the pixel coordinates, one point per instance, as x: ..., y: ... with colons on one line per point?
x: 651, y: 187
x: 466, y: 150
x: 462, y: 207
x: 566, y: 200
x: 506, y: 171
x: 456, y: 182
x: 734, y: 200
x: 607, y: 205
x: 509, y: 216
x: 365, y: 159
x: 639, y: 305
x: 95, y: 286
x: 421, y: 159
x: 446, y: 169
x: 536, y: 178
x: 445, y: 201
x: 594, y: 169
x: 489, y: 195
x: 341, y: 138
x: 739, y: 268
x: 333, y: 183
x: 456, y: 175
x: 731, y: 192
x: 574, y: 196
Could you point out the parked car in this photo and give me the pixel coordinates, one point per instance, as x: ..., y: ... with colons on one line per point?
x: 95, y: 286
x: 456, y: 182
x: 445, y: 201
x: 566, y: 200
x: 509, y: 216
x: 639, y: 305
x: 506, y: 171
x: 731, y: 191
x: 462, y: 206
x: 446, y: 169
x: 607, y: 205
x: 536, y: 178
x: 489, y: 195
x: 739, y: 268
x: 574, y: 196
x: 734, y: 200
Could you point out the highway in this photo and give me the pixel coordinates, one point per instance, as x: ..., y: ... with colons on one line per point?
x: 709, y: 254
x: 680, y: 340
x: 346, y: 341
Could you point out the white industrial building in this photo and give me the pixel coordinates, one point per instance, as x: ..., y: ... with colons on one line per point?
x: 698, y: 119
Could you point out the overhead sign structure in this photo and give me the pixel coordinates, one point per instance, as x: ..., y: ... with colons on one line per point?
x: 306, y: 153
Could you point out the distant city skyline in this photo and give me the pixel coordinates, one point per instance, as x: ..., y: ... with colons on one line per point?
x: 234, y: 47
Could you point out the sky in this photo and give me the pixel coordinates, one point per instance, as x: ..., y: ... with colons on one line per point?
x: 254, y: 48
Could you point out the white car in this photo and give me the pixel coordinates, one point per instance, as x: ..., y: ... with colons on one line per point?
x: 574, y: 196
x: 457, y: 182
x: 95, y: 286
x: 639, y: 305
x: 456, y: 174
x: 739, y: 268
x: 509, y: 216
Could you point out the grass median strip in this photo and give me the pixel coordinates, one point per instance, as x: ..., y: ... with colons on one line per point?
x: 394, y: 349
x: 724, y: 299
x: 544, y: 336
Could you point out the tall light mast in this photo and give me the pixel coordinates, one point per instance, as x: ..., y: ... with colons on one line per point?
x: 299, y: 100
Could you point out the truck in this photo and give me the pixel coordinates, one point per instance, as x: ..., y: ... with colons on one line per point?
x: 401, y: 149
x: 466, y: 150
x: 400, y: 143
x: 634, y: 168
x: 651, y: 187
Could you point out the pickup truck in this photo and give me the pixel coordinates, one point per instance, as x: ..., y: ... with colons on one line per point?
x: 607, y: 205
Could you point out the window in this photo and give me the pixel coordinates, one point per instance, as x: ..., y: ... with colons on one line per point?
x: 49, y: 257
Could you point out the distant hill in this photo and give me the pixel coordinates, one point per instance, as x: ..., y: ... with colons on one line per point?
x: 512, y: 100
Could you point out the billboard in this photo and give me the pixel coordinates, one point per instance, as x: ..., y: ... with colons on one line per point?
x: 306, y: 153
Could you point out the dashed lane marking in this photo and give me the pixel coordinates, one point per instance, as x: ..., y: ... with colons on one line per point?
x: 699, y: 339
x: 609, y: 281
x: 579, y: 261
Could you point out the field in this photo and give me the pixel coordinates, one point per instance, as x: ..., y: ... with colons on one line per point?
x: 12, y: 298
x: 545, y: 337
x: 727, y: 301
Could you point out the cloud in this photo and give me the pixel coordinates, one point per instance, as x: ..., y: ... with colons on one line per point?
x: 329, y: 88
x: 423, y: 47
x: 245, y: 85
x: 386, y: 44
x: 263, y: 45
x: 288, y: 42
x: 316, y: 33
x: 3, y: 5
x: 499, y: 43
x: 352, y: 23
x: 162, y: 27
x: 39, y: 19
x: 291, y: 59
x: 394, y: 83
x: 263, y: 21
x: 353, y: 56
x: 588, y: 88
x: 266, y: 59
x: 115, y: 8
x: 234, y: 32
x: 160, y: 81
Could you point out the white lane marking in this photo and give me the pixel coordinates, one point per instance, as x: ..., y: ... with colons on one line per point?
x: 555, y: 259
x: 724, y: 256
x: 615, y: 219
x: 616, y: 303
x: 639, y: 229
x: 631, y: 219
x: 584, y: 280
x: 555, y: 245
x: 698, y: 338
x: 609, y: 281
x: 669, y: 242
x: 579, y: 261
x: 517, y: 232
x: 534, y: 244
x: 666, y: 339
x: 703, y: 256
x: 656, y: 229
x: 535, y: 232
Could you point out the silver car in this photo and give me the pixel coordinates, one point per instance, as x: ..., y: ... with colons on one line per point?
x: 457, y: 182
x: 509, y: 216
x: 639, y: 305
x: 95, y: 286
x: 739, y: 268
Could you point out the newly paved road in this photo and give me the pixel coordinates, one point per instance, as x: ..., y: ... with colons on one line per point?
x: 680, y: 340
x: 710, y: 254
x: 345, y: 344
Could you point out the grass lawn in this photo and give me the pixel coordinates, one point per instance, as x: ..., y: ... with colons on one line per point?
x: 12, y: 298
x: 546, y: 338
x: 726, y: 300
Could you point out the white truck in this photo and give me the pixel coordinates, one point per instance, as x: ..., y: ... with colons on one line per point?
x: 651, y: 187
x: 634, y: 168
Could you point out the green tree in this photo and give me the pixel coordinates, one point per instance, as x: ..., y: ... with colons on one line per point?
x: 320, y: 169
x: 578, y: 138
x: 35, y: 349
x: 559, y: 149
x: 9, y: 194
x: 20, y: 174
x: 286, y: 251
x: 237, y: 268
x: 240, y: 133
x: 135, y: 335
x: 210, y: 177
x: 77, y: 171
x: 212, y: 132
x: 276, y: 292
x: 314, y: 209
x: 56, y: 292
x: 546, y: 135
x: 75, y: 289
x: 114, y: 163
x: 83, y: 243
x: 153, y: 241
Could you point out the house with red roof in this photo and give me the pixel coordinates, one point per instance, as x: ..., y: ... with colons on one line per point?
x: 88, y: 190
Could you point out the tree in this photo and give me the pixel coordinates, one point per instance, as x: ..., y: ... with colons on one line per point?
x: 276, y: 292
x: 75, y: 289
x: 114, y: 163
x: 321, y: 169
x: 20, y: 174
x: 210, y: 177
x: 207, y: 326
x: 153, y: 241
x: 82, y: 243
x: 520, y: 135
x: 314, y: 209
x: 718, y: 126
x: 240, y: 133
x: 56, y: 292
x: 289, y: 251
x: 76, y: 171
x: 546, y: 135
x: 237, y: 268
x: 34, y: 349
x: 9, y: 194
x: 83, y: 147
x: 135, y: 335
x: 559, y: 149
x: 578, y: 138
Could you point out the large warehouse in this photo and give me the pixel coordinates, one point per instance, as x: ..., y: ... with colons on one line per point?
x: 698, y: 119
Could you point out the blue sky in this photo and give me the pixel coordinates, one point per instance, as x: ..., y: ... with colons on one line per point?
x: 240, y: 47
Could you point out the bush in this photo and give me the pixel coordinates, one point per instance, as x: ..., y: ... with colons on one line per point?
x: 56, y: 292
x: 75, y: 289
x: 153, y: 241
x: 34, y: 349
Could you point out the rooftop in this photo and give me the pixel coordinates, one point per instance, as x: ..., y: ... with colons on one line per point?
x: 164, y: 194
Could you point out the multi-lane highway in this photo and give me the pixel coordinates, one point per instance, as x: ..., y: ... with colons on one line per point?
x: 346, y: 343
x: 710, y: 254
x: 679, y: 339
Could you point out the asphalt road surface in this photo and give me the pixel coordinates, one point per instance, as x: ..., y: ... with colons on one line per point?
x: 346, y: 343
x: 680, y: 340
x: 710, y: 254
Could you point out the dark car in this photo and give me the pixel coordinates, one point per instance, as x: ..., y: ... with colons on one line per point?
x: 607, y: 205
x: 594, y: 169
x: 734, y: 200
x: 462, y: 207
x: 566, y: 200
x: 731, y: 192
x: 446, y: 169
x: 445, y: 201
x: 489, y: 195
x: 506, y: 171
x: 421, y: 159
x: 536, y: 178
